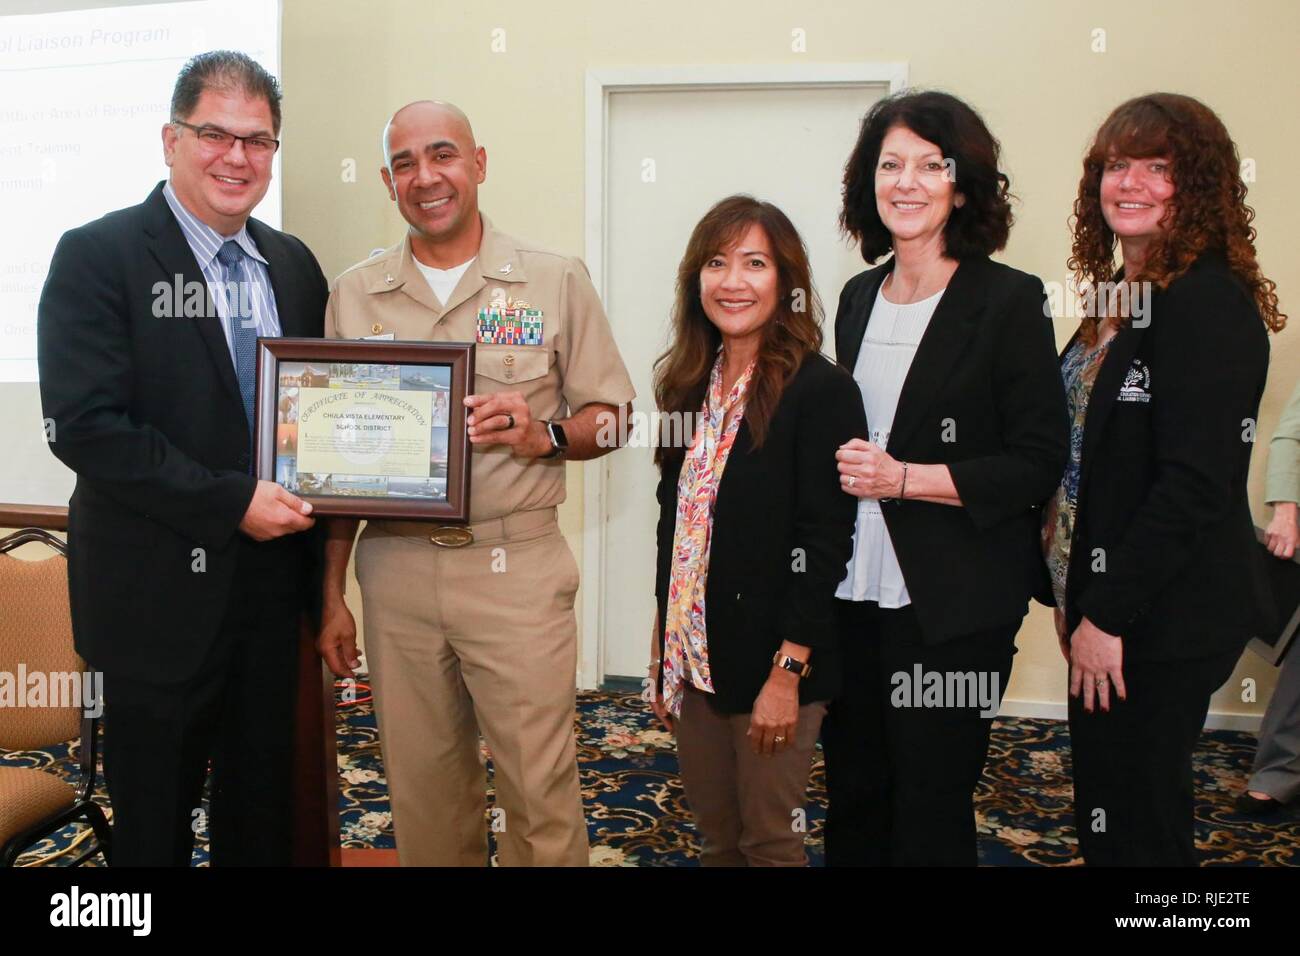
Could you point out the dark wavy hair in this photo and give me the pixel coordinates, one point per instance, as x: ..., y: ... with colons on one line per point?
x: 681, y: 374
x: 981, y: 225
x: 1207, y: 212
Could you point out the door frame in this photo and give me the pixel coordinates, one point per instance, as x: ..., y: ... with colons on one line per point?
x: 601, y: 84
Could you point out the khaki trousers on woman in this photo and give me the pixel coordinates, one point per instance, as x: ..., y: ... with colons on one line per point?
x: 749, y: 809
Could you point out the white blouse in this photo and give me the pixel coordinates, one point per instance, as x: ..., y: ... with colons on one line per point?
x: 888, y: 347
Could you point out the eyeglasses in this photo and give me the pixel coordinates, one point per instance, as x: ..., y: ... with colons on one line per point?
x: 219, y: 140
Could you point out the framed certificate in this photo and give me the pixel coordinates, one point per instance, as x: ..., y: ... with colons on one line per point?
x: 366, y: 429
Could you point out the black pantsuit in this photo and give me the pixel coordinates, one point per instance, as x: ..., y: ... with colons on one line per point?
x: 193, y: 624
x: 900, y: 778
x: 983, y: 396
x: 1162, y: 498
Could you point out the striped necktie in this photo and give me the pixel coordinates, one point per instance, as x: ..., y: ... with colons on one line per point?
x: 243, y: 327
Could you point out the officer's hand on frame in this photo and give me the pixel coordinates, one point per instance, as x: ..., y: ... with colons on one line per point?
x: 503, y: 418
x: 337, y: 641
x: 274, y: 512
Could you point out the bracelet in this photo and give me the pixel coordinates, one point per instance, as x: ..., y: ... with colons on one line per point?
x: 902, y: 489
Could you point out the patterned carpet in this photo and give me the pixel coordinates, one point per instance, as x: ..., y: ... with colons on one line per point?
x: 636, y: 815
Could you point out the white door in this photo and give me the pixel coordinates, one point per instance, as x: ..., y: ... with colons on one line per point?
x: 670, y: 154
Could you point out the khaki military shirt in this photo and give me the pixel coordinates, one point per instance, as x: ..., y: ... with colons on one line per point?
x: 575, y: 364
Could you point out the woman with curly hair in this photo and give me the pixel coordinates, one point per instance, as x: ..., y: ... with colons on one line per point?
x: 1149, y: 539
x: 955, y: 360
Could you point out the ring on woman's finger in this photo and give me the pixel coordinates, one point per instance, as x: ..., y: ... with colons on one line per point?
x: 853, y: 480
x: 778, y: 740
x: 511, y: 423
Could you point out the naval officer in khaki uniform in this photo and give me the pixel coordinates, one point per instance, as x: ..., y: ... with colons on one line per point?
x: 481, y: 636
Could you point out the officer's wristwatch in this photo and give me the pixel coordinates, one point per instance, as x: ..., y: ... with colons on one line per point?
x: 559, y: 442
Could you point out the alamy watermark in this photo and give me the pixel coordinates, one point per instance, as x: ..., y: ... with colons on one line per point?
x: 646, y: 429
x: 179, y: 299
x: 1091, y: 300
x: 75, y: 908
x: 52, y: 689
x: 948, y: 689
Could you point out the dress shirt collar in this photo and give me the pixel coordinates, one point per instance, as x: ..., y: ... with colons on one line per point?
x: 203, y: 239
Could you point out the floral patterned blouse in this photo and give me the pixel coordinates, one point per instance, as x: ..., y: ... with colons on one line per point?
x: 686, y: 650
x: 1079, y: 368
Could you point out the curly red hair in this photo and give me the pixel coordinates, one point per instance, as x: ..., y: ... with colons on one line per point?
x: 1208, y: 211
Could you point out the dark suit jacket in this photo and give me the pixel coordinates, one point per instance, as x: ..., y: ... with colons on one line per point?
x: 1162, y: 491
x: 146, y: 411
x: 785, y: 496
x: 983, y: 396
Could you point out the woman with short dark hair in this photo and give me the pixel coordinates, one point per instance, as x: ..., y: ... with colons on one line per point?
x: 955, y: 359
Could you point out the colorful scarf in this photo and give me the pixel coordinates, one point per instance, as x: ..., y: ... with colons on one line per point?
x: 686, y: 649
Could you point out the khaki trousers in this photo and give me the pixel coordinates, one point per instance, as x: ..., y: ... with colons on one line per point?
x: 744, y: 804
x: 460, y: 640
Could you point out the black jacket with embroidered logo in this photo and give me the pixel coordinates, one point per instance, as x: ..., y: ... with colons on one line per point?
x: 1164, y: 552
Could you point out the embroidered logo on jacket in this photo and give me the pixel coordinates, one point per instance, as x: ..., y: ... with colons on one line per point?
x: 1137, y: 383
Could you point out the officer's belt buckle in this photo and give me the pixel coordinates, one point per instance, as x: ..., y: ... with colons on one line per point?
x: 452, y: 536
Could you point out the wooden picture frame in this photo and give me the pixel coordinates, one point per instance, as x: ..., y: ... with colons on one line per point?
x: 360, y: 415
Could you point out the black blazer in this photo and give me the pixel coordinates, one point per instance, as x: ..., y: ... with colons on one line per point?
x: 786, y: 496
x: 983, y: 396
x: 146, y: 411
x: 1162, y: 491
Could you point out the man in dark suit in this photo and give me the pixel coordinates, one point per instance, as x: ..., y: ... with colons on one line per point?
x: 187, y: 575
